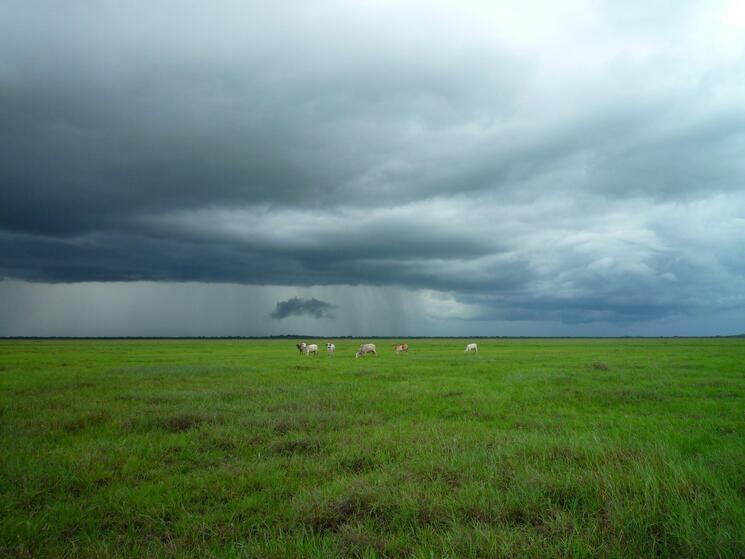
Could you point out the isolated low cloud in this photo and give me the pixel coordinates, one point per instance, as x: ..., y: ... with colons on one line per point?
x: 297, y: 307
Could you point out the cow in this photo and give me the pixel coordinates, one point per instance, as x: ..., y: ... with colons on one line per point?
x: 365, y: 349
x: 311, y: 348
x: 330, y: 347
x: 471, y: 347
x: 301, y: 347
x: 401, y: 348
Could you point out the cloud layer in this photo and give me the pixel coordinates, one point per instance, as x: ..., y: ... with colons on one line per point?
x: 571, y: 164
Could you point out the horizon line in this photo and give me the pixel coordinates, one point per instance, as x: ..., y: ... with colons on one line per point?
x: 298, y: 336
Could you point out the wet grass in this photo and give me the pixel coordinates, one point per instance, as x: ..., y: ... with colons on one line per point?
x: 530, y: 448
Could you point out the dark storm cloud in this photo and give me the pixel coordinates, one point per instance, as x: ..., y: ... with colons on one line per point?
x: 299, y: 307
x: 581, y: 166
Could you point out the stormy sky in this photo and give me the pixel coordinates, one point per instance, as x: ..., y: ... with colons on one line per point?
x: 372, y: 168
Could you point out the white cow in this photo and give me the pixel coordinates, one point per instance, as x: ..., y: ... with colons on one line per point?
x: 471, y: 347
x: 365, y: 349
x: 311, y: 348
x: 331, y: 348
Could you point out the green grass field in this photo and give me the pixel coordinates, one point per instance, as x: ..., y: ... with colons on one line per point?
x: 530, y: 448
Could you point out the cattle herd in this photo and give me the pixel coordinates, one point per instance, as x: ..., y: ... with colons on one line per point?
x: 312, y: 349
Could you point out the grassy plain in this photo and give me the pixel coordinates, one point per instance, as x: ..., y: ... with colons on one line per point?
x: 530, y: 448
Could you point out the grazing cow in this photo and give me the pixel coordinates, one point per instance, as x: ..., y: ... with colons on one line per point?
x: 331, y: 348
x: 471, y: 347
x: 401, y: 348
x: 311, y: 348
x: 365, y: 349
x: 301, y: 347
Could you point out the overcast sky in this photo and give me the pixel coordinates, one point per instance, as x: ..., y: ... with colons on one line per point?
x: 380, y: 167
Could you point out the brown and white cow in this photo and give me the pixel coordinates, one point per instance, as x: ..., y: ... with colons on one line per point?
x: 401, y: 348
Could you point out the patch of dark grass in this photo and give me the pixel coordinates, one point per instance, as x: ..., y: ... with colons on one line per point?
x: 563, y: 496
x: 528, y: 515
x: 723, y: 394
x: 302, y: 406
x: 177, y: 423
x: 457, y: 413
x: 67, y: 424
x: 313, y: 422
x: 433, y: 515
x: 628, y: 395
x: 322, y: 405
x: 481, y: 415
x: 357, y: 540
x: 690, y: 491
x: 359, y: 463
x: 358, y: 505
x: 55, y: 388
x: 522, y: 515
x: 296, y: 446
x: 161, y: 400
x: 73, y: 426
x: 283, y: 425
x: 217, y: 441
x: 725, y: 430
x: 181, y: 422
x: 231, y: 396
x: 480, y: 514
x: 58, y: 404
x: 600, y: 366
x: 368, y: 419
x: 291, y: 406
x: 505, y: 475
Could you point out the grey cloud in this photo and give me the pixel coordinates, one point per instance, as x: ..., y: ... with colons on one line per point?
x: 298, y: 307
x: 534, y: 169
